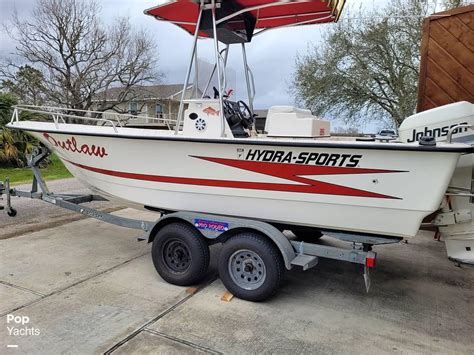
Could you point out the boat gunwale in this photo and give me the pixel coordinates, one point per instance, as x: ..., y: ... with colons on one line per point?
x: 246, y: 141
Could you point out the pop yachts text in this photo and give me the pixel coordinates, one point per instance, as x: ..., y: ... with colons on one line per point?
x: 279, y: 156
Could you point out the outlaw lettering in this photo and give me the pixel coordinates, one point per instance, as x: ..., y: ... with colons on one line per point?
x: 71, y: 145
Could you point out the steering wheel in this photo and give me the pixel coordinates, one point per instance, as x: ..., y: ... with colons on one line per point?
x: 245, y: 114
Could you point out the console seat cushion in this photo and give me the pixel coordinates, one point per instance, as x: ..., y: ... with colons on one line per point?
x: 289, y: 121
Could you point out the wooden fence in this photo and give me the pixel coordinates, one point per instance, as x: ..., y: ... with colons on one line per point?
x: 447, y: 59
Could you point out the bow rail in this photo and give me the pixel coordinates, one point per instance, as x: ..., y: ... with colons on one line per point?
x: 63, y: 115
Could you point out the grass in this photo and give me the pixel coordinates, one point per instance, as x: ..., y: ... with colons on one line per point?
x: 55, y: 170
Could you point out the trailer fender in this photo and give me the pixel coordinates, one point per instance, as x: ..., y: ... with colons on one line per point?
x: 213, y: 226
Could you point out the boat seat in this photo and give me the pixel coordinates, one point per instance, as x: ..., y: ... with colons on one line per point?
x: 289, y: 121
x: 289, y: 109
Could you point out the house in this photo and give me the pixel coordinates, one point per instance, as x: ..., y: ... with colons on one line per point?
x: 152, y: 103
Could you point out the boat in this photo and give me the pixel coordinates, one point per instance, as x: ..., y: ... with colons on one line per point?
x: 211, y: 160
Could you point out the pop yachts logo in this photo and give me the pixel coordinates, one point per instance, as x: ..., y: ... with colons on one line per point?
x: 20, y: 326
x: 71, y: 145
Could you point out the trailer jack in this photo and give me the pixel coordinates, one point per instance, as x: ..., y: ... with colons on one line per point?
x: 8, y: 204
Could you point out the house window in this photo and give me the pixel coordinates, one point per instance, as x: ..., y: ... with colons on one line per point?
x: 159, y: 111
x: 133, y: 108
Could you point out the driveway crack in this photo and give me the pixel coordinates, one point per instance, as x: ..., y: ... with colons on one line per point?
x: 206, y: 283
x: 182, y: 341
x: 42, y: 297
x: 22, y: 288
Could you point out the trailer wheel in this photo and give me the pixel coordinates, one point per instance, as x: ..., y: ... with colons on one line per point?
x: 12, y: 212
x: 250, y: 266
x: 308, y: 235
x: 180, y: 254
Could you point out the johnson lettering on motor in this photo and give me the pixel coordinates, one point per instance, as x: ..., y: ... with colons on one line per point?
x: 436, y: 132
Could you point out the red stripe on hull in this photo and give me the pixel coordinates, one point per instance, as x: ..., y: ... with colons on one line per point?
x: 286, y: 171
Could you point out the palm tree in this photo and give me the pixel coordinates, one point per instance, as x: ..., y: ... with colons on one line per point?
x: 14, y: 145
x: 8, y: 150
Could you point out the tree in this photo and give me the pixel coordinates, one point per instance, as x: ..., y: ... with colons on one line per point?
x: 79, y: 57
x: 26, y: 84
x: 8, y: 150
x: 368, y: 66
x: 14, y: 145
x: 451, y: 4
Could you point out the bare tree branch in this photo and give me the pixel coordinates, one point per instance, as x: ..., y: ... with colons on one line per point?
x: 78, y: 57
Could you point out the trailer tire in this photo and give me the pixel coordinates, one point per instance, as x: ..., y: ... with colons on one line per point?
x: 308, y: 235
x: 180, y: 254
x: 262, y: 266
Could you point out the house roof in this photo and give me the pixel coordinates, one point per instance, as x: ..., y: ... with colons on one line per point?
x: 143, y: 92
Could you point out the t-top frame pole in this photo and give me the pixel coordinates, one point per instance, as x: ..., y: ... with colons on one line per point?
x: 188, y: 73
x: 250, y: 86
x: 219, y: 74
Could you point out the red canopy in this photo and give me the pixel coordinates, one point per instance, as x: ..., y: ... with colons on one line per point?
x: 267, y: 13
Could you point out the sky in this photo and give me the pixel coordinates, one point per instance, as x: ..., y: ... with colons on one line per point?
x: 271, y: 56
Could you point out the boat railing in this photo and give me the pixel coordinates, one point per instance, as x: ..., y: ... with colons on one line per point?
x: 64, y: 115
x: 166, y: 119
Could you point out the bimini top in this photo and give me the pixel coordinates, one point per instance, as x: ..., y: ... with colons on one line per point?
x: 238, y: 20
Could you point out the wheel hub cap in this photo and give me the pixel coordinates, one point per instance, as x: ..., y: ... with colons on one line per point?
x: 247, y: 269
x: 176, y: 256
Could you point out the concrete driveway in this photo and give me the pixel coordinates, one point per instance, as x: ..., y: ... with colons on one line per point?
x: 89, y: 287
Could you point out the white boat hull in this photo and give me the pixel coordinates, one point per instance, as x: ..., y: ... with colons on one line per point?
x: 381, y: 191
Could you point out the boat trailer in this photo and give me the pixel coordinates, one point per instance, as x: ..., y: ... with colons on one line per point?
x: 214, y: 229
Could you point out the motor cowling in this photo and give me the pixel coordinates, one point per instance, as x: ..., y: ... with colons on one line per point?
x: 437, y: 123
x: 454, y: 221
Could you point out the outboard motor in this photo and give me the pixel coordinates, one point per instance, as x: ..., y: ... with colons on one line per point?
x: 454, y: 221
